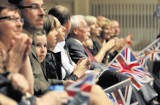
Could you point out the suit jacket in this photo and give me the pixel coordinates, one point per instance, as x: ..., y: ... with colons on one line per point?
x: 77, y: 51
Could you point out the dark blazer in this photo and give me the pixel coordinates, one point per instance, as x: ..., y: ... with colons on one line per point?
x: 77, y: 51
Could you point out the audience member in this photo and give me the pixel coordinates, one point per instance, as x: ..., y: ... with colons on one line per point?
x: 117, y: 27
x: 14, y: 45
x: 77, y: 36
x: 101, y: 18
x: 41, y: 48
x: 50, y: 72
x: 33, y: 13
x: 99, y: 51
x: 13, y: 84
x: 63, y: 15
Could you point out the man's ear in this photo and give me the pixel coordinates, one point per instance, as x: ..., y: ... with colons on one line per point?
x: 67, y: 25
x: 75, y: 30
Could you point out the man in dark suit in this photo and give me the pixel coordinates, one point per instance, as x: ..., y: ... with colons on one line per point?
x: 77, y: 36
x: 79, y: 33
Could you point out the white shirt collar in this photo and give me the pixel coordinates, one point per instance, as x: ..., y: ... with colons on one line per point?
x: 59, y: 46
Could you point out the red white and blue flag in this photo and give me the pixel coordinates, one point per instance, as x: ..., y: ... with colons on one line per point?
x: 126, y: 63
x: 123, y: 94
x: 151, y: 52
x: 81, y: 88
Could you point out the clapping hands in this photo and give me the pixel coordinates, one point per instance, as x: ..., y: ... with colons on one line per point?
x: 17, y: 53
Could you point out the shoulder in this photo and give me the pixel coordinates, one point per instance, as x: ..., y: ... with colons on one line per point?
x: 70, y: 40
x: 51, y: 56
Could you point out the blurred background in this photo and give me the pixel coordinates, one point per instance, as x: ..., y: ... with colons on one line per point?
x: 138, y: 17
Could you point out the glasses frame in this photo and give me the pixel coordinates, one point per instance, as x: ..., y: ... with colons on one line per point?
x: 32, y: 6
x: 12, y: 18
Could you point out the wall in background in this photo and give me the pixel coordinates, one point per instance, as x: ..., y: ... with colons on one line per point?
x: 135, y: 16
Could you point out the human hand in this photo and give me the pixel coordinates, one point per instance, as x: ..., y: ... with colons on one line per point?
x: 120, y: 43
x: 81, y: 67
x: 109, y: 45
x: 53, y: 98
x: 67, y: 82
x: 4, y: 100
x: 129, y: 39
x: 88, y: 43
x: 17, y: 53
x: 19, y: 82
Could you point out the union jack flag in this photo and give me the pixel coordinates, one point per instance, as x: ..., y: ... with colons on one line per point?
x: 126, y: 63
x: 123, y: 94
x: 151, y: 52
x: 81, y: 88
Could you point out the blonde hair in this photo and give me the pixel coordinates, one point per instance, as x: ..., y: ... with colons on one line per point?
x: 90, y: 20
x: 104, y: 23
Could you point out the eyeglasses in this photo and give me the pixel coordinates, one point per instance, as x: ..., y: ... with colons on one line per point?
x: 33, y: 6
x: 11, y: 18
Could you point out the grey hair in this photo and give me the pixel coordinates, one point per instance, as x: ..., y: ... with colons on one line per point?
x: 75, y: 23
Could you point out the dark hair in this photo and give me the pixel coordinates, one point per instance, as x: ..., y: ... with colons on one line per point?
x: 61, y: 13
x: 15, y: 2
x: 49, y: 24
x: 6, y: 5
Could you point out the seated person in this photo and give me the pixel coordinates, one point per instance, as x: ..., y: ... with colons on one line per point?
x: 14, y: 45
x: 99, y: 51
x: 41, y: 44
x: 13, y: 87
x: 55, y: 35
